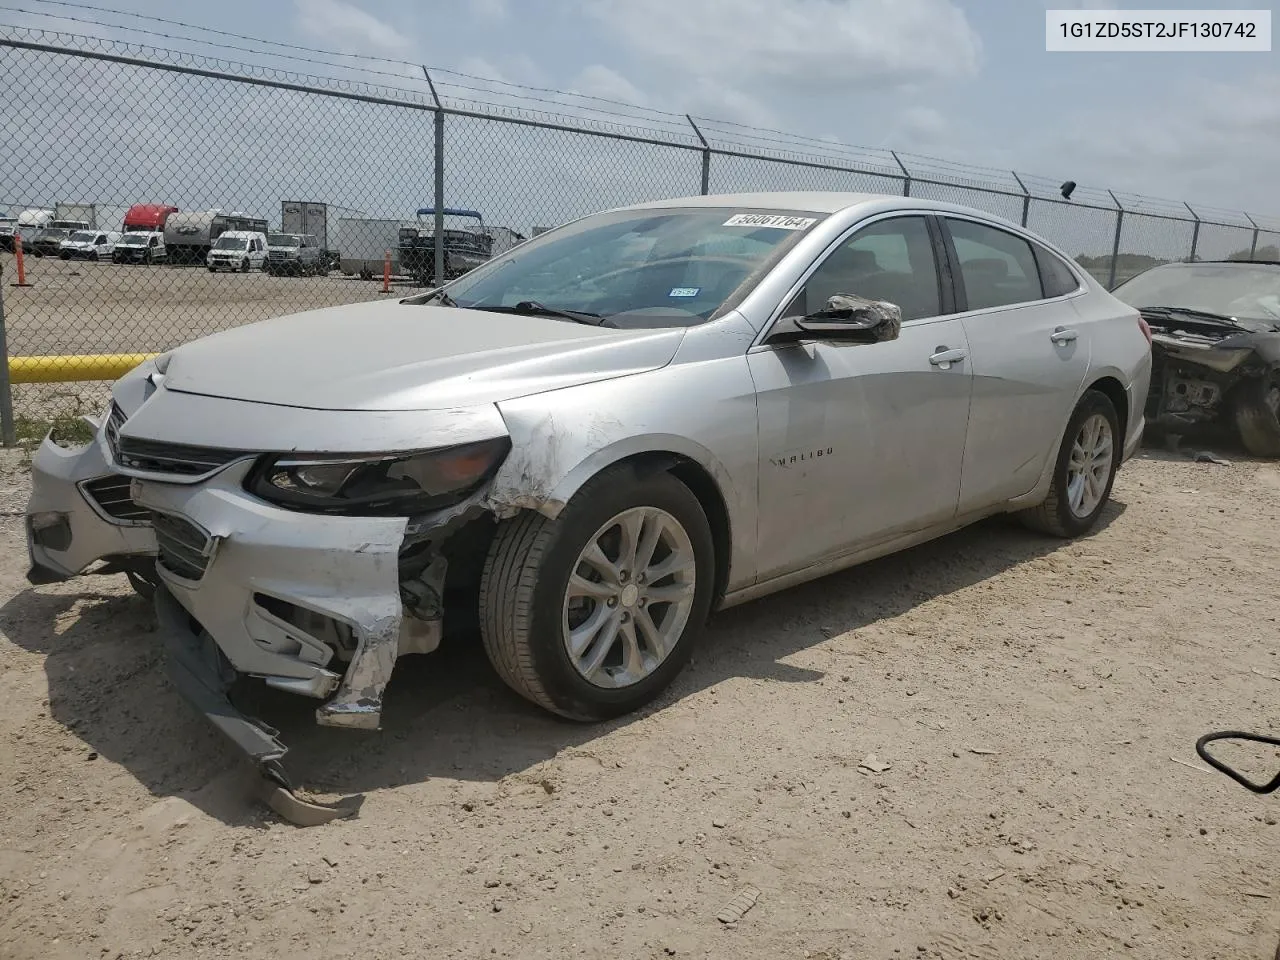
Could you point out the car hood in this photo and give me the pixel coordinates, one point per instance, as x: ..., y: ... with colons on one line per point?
x: 395, y: 356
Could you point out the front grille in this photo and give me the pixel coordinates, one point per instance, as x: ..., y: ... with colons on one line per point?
x: 182, y: 548
x: 111, y: 494
x: 153, y: 456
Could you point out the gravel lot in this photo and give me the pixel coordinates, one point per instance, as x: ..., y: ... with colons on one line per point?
x: 1027, y: 701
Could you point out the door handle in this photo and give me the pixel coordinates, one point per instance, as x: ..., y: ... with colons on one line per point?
x: 1063, y: 335
x: 944, y: 358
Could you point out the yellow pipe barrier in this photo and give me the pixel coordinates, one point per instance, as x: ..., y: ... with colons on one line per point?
x: 71, y: 369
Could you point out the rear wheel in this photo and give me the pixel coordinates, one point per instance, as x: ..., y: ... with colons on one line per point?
x: 593, y: 614
x: 1256, y: 407
x: 1083, y: 472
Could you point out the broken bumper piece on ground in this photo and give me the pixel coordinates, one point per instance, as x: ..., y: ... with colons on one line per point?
x: 204, y: 676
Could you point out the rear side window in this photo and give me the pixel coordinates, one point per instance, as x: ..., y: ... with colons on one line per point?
x: 997, y: 267
x: 1056, y: 276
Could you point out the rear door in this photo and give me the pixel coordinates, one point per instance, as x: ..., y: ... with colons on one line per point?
x: 861, y: 442
x: 1029, y: 355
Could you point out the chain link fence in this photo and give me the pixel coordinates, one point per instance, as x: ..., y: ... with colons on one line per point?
x: 299, y: 192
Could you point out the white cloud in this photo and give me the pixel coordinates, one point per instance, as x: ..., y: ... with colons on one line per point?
x: 807, y: 44
x: 346, y: 27
x: 489, y: 11
x: 598, y: 80
x: 1223, y: 147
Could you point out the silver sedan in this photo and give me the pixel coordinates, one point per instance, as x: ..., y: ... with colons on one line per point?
x: 592, y: 442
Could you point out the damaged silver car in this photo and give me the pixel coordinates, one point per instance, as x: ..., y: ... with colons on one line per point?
x: 590, y: 443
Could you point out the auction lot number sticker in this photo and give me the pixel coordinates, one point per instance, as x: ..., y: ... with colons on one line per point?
x: 1168, y: 31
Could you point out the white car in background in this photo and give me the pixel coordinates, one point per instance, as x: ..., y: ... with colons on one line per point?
x: 89, y: 245
x: 140, y: 246
x: 240, y: 250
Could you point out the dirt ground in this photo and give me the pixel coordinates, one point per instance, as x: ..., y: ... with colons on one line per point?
x: 1031, y: 706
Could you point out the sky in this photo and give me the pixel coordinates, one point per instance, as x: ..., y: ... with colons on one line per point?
x: 962, y: 79
x: 965, y: 80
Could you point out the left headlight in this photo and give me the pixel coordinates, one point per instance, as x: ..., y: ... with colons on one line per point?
x: 397, y: 484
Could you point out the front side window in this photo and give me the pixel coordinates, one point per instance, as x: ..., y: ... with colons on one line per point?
x: 639, y: 268
x: 997, y: 267
x: 889, y: 260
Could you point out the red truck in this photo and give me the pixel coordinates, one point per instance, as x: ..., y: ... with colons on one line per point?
x: 147, y: 216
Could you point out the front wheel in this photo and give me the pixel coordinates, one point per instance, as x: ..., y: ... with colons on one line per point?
x: 1083, y: 472
x: 244, y: 265
x: 593, y: 614
x: 1256, y: 407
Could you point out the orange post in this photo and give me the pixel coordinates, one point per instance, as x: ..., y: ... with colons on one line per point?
x: 22, y: 267
x: 386, y: 272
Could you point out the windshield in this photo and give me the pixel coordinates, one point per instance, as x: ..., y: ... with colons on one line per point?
x: 1245, y: 291
x: 283, y: 240
x: 639, y: 268
x: 134, y: 240
x: 81, y: 236
x: 230, y: 243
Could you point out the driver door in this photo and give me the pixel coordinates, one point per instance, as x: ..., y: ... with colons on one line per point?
x: 860, y: 443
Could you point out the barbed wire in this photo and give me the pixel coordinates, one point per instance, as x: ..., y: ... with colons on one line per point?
x: 672, y: 128
x: 434, y: 68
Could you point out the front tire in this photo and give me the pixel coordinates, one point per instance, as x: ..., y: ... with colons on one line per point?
x: 568, y: 626
x: 1084, y: 471
x: 244, y: 265
x: 1256, y: 406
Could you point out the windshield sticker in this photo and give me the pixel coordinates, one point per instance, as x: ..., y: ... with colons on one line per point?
x: 773, y: 220
x: 684, y: 291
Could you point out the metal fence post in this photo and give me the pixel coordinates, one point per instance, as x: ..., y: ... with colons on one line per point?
x: 706, y: 157
x: 906, y: 174
x: 8, y: 434
x: 1115, y: 245
x: 1253, y: 244
x: 1026, y: 197
x: 438, y: 278
x: 1195, y: 232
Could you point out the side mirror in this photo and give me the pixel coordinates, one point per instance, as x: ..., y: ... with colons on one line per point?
x: 1202, y: 749
x: 852, y: 319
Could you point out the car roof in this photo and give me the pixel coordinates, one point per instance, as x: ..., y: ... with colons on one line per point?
x: 820, y: 201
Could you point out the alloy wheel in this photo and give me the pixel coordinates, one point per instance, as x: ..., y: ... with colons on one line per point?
x: 1089, y: 467
x: 629, y: 597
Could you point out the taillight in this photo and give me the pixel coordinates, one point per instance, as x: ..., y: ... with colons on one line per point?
x: 1145, y: 328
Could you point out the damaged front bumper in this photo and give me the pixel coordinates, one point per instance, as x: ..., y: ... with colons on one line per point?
x: 1193, y: 374
x: 80, y: 512
x: 309, y: 602
x: 312, y: 604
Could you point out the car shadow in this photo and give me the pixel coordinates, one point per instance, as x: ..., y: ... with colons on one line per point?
x: 447, y: 714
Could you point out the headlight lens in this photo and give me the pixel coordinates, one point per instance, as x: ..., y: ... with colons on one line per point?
x: 402, y: 483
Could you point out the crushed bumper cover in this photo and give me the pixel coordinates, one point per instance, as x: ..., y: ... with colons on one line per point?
x: 204, y: 676
x: 233, y: 561
x: 69, y: 523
